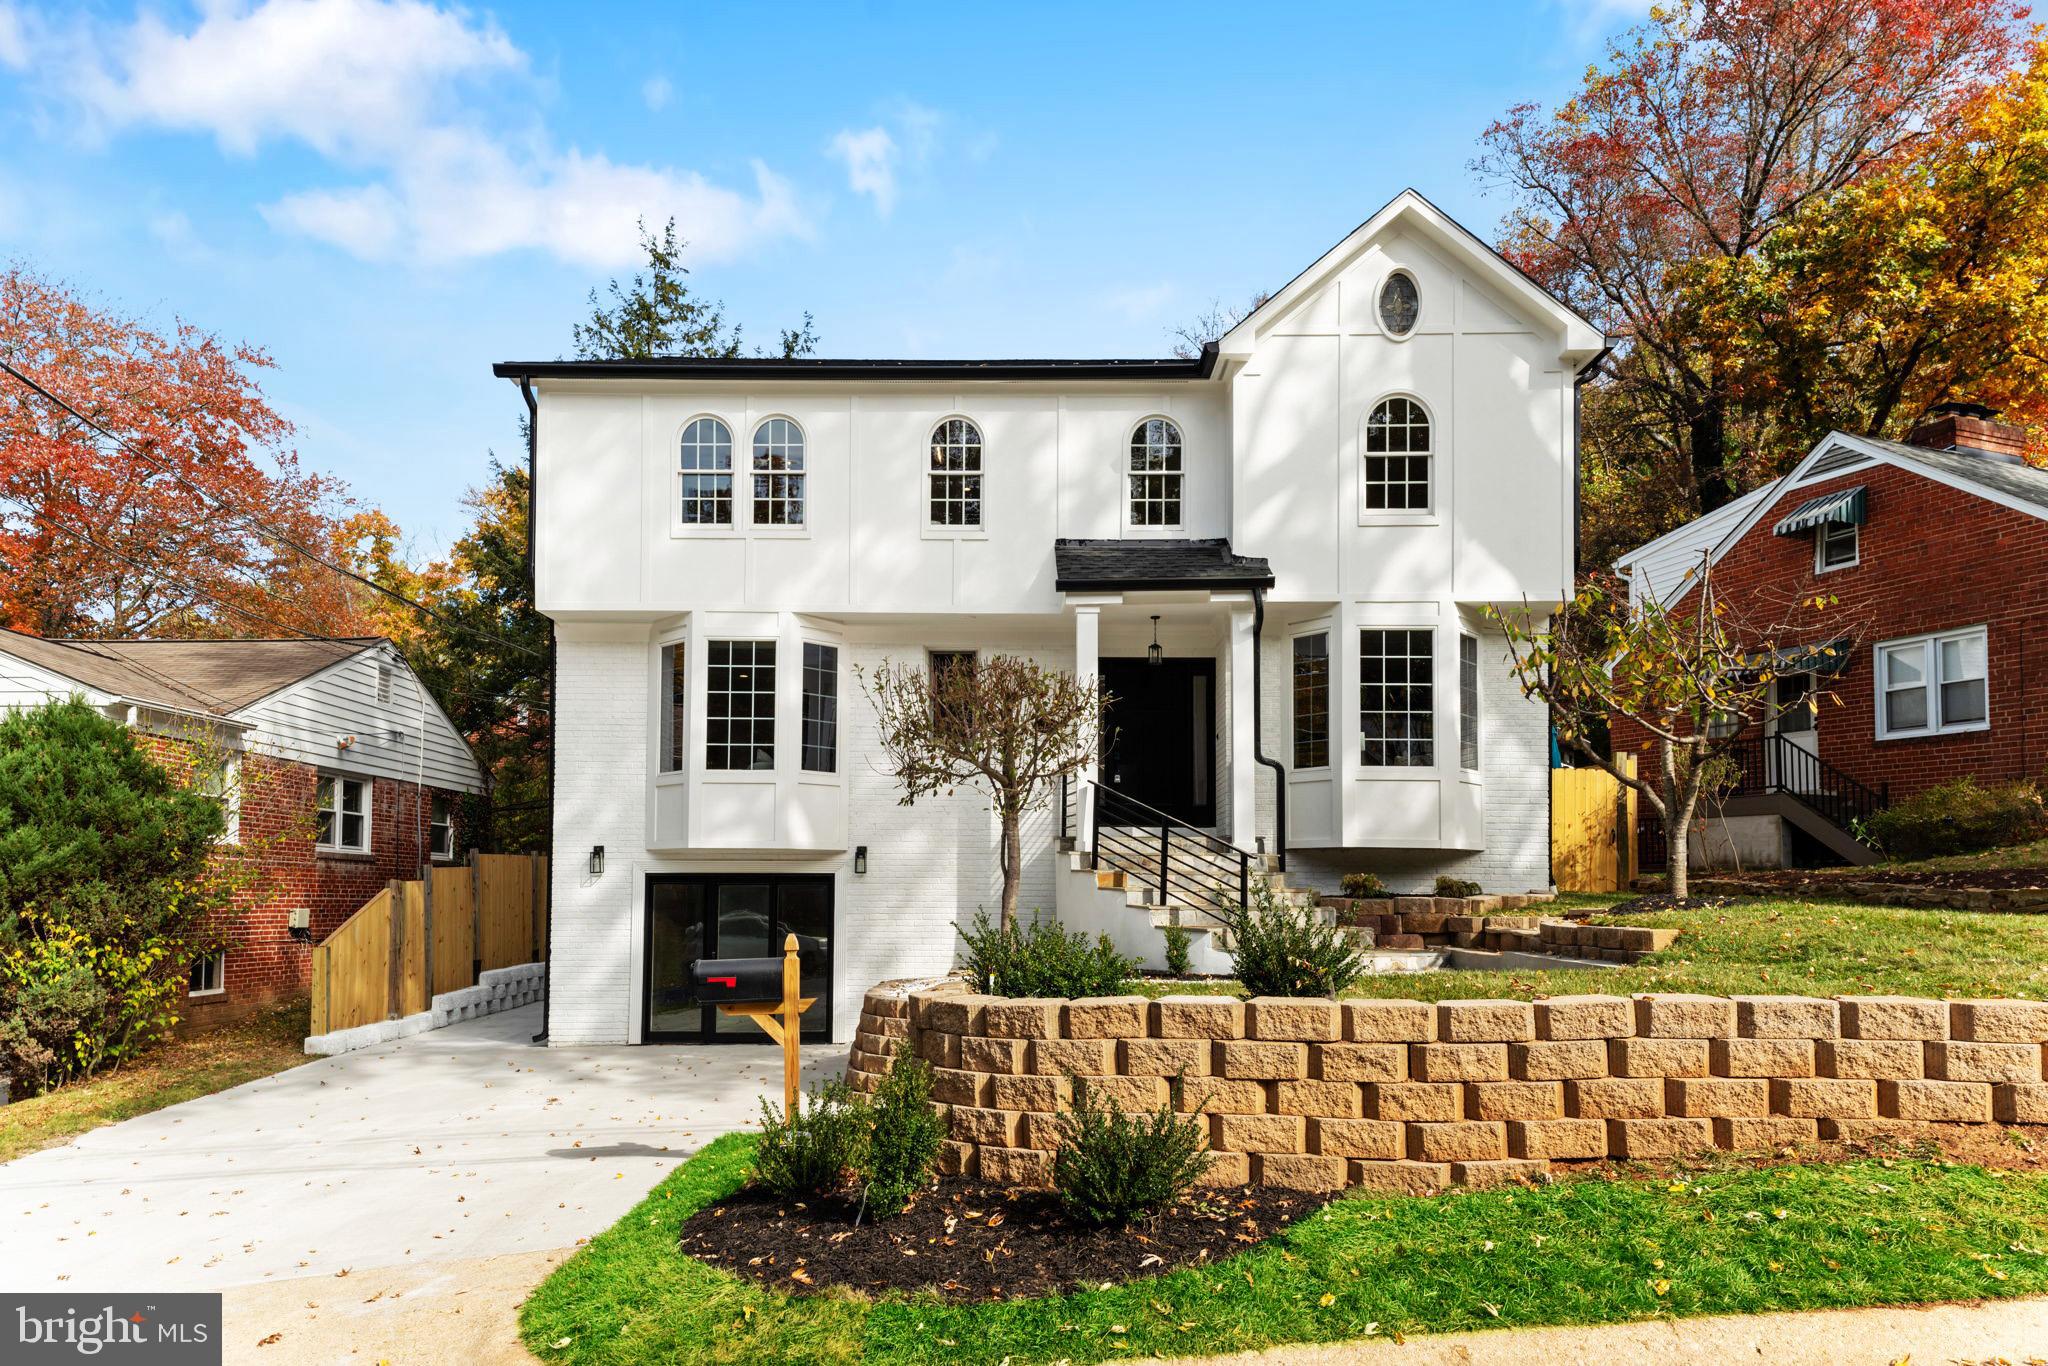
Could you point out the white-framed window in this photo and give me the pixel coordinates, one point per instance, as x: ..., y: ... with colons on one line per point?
x: 222, y: 781
x: 1399, y: 304
x: 1468, y: 701
x: 739, y: 705
x: 341, y: 818
x: 954, y: 475
x: 1397, y: 457
x: 1312, y: 701
x: 1835, y: 546
x: 1155, y: 473
x: 208, y: 976
x: 441, y: 827
x: 1934, y: 684
x: 778, y: 474
x: 704, y: 473
x: 821, y: 708
x: 1397, y: 697
x: 675, y: 692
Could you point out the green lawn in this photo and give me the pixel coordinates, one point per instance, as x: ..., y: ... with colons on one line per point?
x: 2031, y: 855
x: 181, y: 1068
x: 1792, y: 947
x: 1722, y: 1240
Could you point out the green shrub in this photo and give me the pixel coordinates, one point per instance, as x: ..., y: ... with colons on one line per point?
x: 810, y: 1152
x: 1287, y: 950
x: 1362, y: 885
x: 1043, y: 960
x: 904, y: 1133
x: 1112, y: 1168
x: 1177, y: 940
x: 1960, y: 817
x: 106, y: 893
x: 1455, y: 886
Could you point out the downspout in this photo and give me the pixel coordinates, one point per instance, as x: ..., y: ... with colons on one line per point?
x: 547, y: 966
x: 1259, y: 728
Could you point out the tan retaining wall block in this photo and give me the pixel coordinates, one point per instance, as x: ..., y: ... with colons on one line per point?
x: 1024, y: 1018
x: 1894, y: 1059
x: 1252, y: 1060
x: 1717, y: 1097
x: 1999, y: 1021
x: 1227, y: 1169
x: 1165, y: 1057
x: 1786, y: 1017
x: 2020, y: 1104
x: 956, y: 1158
x: 1257, y: 1133
x: 1427, y: 1101
x: 1016, y: 1167
x: 956, y: 1014
x: 1893, y: 1017
x: 1214, y: 1095
x: 1824, y: 1098
x: 1389, y: 1022
x: 1400, y: 1178
x: 1040, y: 1131
x: 1358, y: 1061
x: 1459, y: 1061
x: 1198, y: 1017
x: 1299, y: 1171
x: 1741, y: 1133
x: 1485, y: 1021
x: 1678, y: 1016
x: 1563, y: 1138
x: 955, y: 1086
x: 1964, y: 1101
x: 992, y: 1055
x: 939, y: 1049
x: 1027, y: 1093
x: 1559, y: 1061
x: 1457, y: 1141
x: 1288, y: 1018
x: 1084, y: 1057
x: 1658, y: 1137
x: 1337, y: 1099
x: 1960, y: 1060
x: 971, y: 1124
x: 1371, y: 1138
x: 1658, y: 1058
x: 1761, y: 1057
x: 1106, y: 1017
x: 1133, y: 1095
x: 1514, y: 1099
x: 1505, y: 1172
x: 1615, y: 1098
x: 1585, y: 1017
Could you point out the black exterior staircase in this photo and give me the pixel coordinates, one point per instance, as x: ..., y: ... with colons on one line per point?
x: 1778, y: 777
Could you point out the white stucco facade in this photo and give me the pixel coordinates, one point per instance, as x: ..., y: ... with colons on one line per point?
x: 1272, y: 435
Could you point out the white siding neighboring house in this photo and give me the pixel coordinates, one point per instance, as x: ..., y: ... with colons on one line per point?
x: 1365, y: 464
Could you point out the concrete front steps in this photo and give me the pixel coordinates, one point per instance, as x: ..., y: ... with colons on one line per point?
x: 1127, y: 907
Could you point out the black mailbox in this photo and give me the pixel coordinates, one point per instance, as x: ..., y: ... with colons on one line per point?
x: 737, y: 981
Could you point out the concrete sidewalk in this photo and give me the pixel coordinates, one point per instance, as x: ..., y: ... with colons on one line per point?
x: 469, y: 1142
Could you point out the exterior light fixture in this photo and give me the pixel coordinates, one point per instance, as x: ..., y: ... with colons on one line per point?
x: 860, y: 859
x: 597, y: 860
x: 1153, y: 654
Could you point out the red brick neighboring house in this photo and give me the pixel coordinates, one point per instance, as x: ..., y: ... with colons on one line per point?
x: 1937, y: 550
x: 338, y: 770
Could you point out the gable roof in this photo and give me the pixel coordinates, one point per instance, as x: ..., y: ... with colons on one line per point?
x: 2022, y: 487
x: 1410, y: 208
x: 216, y: 677
x: 1107, y: 566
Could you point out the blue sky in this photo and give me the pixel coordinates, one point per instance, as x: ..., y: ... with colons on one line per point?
x: 388, y: 195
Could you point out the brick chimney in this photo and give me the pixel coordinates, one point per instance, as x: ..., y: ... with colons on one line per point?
x: 1971, y: 428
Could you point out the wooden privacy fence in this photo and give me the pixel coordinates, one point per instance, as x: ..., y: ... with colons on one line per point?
x: 416, y: 939
x: 1592, y: 829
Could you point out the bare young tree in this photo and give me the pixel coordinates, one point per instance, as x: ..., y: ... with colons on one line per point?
x: 1004, y: 726
x: 1693, y: 676
x: 1191, y: 336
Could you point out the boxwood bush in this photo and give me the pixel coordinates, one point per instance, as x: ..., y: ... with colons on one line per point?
x: 1043, y: 960
x: 1113, y: 1169
x: 1287, y: 950
x: 1959, y: 818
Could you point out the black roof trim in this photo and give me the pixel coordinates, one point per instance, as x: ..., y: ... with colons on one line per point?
x: 1081, y: 566
x: 815, y: 368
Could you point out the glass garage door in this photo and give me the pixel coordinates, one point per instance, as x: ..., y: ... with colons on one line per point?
x: 736, y: 915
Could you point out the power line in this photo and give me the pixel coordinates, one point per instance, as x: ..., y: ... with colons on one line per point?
x: 253, y: 524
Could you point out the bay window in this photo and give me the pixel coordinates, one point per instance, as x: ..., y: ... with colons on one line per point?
x: 1397, y: 698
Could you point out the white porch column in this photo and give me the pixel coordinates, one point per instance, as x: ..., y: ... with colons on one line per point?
x: 1088, y: 669
x: 1244, y: 764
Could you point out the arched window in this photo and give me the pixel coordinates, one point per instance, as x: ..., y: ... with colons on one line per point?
x: 955, y: 475
x: 1400, y: 304
x: 705, y: 473
x: 1155, y: 473
x: 778, y: 473
x: 1397, y: 455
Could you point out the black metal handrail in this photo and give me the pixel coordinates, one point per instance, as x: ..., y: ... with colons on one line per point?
x: 1776, y: 764
x: 1183, y: 864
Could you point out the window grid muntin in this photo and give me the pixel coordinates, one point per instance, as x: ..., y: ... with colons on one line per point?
x: 1949, y: 692
x: 1468, y: 701
x: 342, y: 814
x: 821, y: 708
x: 441, y: 827
x: 1397, y: 456
x: 778, y: 473
x: 1312, y: 700
x: 1829, y: 545
x: 953, y: 493
x: 1397, y: 697
x: 739, y: 706
x: 1399, y: 304
x: 1155, y: 473
x: 704, y: 478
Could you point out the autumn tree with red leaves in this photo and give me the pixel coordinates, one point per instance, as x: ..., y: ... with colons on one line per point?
x: 151, y: 527
x: 1711, y: 126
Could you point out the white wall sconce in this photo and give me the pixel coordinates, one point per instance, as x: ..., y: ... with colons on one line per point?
x: 597, y: 860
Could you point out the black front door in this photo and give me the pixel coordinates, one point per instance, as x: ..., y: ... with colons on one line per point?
x: 1159, y: 737
x: 732, y: 915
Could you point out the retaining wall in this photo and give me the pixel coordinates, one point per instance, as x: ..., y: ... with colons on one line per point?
x: 1414, y: 1096
x: 498, y: 989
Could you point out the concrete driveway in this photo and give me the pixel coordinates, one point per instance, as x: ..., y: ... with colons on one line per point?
x: 462, y: 1144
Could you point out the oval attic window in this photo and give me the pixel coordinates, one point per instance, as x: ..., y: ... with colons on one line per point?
x: 1399, y: 304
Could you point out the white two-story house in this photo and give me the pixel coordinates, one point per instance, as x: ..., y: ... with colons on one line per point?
x: 1310, y: 519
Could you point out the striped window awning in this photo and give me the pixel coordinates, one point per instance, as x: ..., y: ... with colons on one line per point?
x: 1845, y: 507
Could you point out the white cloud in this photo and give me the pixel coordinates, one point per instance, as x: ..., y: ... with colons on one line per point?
x: 13, y: 39
x: 426, y: 106
x: 870, y: 157
x: 656, y: 92
x: 1139, y: 303
x: 1587, y: 21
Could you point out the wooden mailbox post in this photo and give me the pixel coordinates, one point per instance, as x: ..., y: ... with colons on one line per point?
x: 780, y: 1019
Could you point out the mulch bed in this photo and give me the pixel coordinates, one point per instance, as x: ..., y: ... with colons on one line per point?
x: 1645, y: 905
x: 969, y: 1242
